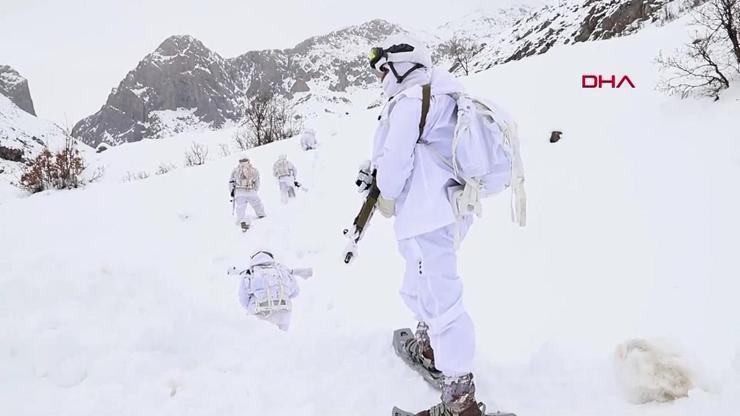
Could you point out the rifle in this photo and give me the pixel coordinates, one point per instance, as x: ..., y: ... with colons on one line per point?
x: 359, y: 225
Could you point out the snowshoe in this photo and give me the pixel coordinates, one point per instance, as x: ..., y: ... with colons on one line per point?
x: 244, y: 226
x: 442, y: 411
x: 408, y: 349
x: 458, y: 399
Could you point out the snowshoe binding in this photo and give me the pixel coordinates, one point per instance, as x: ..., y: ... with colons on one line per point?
x: 416, y: 351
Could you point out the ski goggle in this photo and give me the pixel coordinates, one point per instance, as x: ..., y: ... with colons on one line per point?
x: 377, y: 54
x: 262, y: 252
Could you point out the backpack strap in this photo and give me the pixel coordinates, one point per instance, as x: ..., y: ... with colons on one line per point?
x: 426, y: 101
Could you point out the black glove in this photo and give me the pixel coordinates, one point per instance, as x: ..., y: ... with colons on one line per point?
x: 232, y: 192
x: 364, y: 177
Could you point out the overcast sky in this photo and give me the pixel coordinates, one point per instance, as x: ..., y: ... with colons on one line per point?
x: 74, y: 51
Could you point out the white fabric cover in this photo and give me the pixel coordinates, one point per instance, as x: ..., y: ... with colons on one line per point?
x: 412, y: 174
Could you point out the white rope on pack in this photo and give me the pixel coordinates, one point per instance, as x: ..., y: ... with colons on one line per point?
x: 269, y: 306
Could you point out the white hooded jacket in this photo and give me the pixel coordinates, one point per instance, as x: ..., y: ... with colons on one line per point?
x: 410, y: 173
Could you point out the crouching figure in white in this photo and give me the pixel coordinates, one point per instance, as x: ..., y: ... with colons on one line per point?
x: 286, y: 174
x: 267, y: 288
x: 244, y: 185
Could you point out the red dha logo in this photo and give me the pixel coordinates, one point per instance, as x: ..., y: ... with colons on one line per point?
x: 598, y: 81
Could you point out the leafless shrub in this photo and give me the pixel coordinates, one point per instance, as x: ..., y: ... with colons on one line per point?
x: 96, y: 174
x: 706, y: 65
x: 60, y: 170
x: 164, y: 168
x: 197, y: 155
x: 224, y: 149
x: 131, y: 176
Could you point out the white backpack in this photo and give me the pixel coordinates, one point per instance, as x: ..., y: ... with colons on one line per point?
x: 245, y: 177
x: 485, y: 155
x: 268, y: 285
x: 282, y: 168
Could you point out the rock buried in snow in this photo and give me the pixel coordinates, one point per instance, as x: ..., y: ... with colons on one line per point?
x: 555, y: 136
x: 651, y: 371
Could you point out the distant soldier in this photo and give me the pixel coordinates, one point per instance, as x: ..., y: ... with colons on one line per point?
x: 286, y: 173
x: 244, y: 184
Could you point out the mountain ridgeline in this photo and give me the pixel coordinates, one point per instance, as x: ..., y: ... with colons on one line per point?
x: 182, y: 78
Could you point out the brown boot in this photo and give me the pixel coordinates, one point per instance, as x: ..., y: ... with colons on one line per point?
x: 458, y: 399
x: 419, y: 348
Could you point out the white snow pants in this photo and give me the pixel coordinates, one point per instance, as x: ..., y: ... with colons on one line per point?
x: 434, y: 293
x: 280, y: 318
x: 287, y: 188
x: 242, y: 199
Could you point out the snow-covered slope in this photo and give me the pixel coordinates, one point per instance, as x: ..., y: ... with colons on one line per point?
x: 23, y: 132
x: 115, y: 301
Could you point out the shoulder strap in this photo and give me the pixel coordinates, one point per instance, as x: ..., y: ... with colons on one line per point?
x: 426, y: 100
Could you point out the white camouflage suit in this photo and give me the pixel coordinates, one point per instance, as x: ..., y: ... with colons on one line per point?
x: 266, y: 290
x: 308, y: 140
x: 245, y: 182
x: 286, y: 173
x: 426, y: 227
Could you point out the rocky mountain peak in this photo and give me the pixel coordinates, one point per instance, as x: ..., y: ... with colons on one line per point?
x: 15, y: 87
x: 183, y: 46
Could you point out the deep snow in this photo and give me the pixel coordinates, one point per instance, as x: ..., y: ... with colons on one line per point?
x: 115, y: 298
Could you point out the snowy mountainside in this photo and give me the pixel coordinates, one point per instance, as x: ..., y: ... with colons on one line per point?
x: 184, y: 76
x: 632, y: 232
x: 570, y: 22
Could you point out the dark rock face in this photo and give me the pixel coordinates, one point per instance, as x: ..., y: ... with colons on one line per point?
x: 607, y: 20
x: 580, y: 22
x: 181, y: 73
x: 13, y: 155
x: 299, y: 86
x: 15, y: 87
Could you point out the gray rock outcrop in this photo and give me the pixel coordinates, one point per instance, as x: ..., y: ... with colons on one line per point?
x: 15, y: 87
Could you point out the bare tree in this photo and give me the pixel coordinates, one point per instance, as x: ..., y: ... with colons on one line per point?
x: 197, y: 155
x: 268, y: 118
x: 723, y: 16
x: 706, y: 65
x: 241, y: 138
x: 257, y: 113
x: 462, y: 50
x: 224, y: 149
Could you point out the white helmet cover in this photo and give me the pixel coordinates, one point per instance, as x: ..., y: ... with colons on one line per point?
x: 401, y: 47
